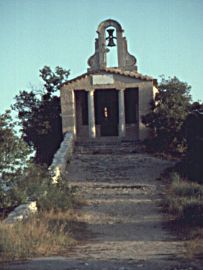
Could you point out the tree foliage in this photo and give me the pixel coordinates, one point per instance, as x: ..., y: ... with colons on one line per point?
x: 14, y: 158
x: 21, y: 180
x: 14, y: 153
x: 192, y: 165
x: 39, y: 114
x: 169, y: 111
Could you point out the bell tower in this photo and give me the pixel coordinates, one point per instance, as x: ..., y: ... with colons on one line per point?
x: 98, y: 61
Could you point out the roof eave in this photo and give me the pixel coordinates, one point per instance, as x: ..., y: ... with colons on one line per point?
x: 130, y: 74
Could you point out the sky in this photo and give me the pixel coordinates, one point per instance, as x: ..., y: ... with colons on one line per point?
x: 166, y: 37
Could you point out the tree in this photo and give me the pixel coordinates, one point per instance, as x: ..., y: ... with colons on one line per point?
x: 169, y: 111
x: 39, y: 115
x: 14, y: 159
x: 14, y: 153
x: 21, y: 180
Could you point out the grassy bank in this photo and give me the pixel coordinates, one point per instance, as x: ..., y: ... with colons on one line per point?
x: 51, y: 230
x: 184, y: 202
x: 45, y: 234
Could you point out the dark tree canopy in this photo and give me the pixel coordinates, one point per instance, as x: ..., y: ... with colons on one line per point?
x: 39, y: 115
x: 169, y: 111
x: 194, y: 136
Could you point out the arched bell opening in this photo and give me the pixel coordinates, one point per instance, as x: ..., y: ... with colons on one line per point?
x: 111, y: 45
x: 111, y: 48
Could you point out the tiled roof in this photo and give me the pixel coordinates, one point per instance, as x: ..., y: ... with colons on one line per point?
x: 132, y: 74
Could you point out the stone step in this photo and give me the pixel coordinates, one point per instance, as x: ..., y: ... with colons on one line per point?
x: 106, y: 147
x: 106, y: 141
x: 84, y: 150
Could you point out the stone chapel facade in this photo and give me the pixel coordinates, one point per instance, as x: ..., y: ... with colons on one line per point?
x: 104, y: 101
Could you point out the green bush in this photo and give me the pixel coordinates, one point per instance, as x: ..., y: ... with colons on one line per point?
x: 169, y: 111
x: 57, y: 196
x: 36, y: 184
x: 25, y: 186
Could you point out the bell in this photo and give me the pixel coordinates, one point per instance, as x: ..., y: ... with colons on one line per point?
x: 111, y: 38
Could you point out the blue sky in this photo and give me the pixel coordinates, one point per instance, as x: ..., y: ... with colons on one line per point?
x: 166, y: 36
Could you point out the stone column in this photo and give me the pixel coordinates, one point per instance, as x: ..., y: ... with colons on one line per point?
x: 121, y: 108
x: 91, y: 114
x: 68, y: 110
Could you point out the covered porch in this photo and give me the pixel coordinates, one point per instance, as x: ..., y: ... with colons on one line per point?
x: 107, y: 113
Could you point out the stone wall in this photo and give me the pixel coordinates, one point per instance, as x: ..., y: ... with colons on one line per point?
x: 61, y: 157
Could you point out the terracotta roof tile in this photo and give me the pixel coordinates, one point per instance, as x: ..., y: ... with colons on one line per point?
x: 132, y: 74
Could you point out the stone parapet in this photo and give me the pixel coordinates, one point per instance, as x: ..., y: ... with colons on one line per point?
x: 61, y: 157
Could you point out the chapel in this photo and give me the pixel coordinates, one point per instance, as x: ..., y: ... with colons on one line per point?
x: 108, y: 101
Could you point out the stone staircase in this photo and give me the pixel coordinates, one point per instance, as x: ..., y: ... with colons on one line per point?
x: 107, y: 146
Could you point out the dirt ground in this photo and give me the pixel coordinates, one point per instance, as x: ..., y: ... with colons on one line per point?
x: 125, y: 227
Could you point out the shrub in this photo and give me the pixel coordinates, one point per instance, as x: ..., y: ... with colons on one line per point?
x: 169, y: 111
x: 185, y: 188
x: 57, y: 196
x: 36, y: 184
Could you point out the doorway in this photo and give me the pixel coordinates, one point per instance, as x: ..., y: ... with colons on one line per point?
x: 106, y: 111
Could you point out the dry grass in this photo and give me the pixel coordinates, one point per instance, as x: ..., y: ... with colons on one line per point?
x: 184, y: 200
x: 45, y: 234
x: 194, y: 246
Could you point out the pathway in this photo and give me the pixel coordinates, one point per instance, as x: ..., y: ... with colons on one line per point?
x: 125, y: 229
